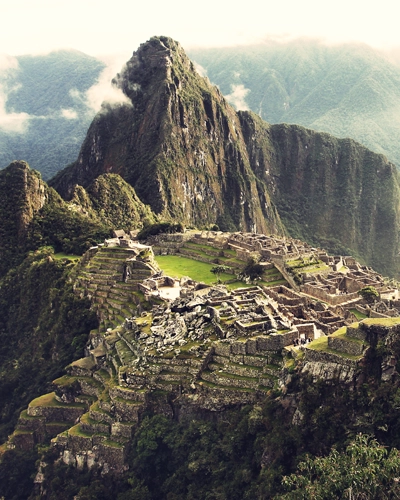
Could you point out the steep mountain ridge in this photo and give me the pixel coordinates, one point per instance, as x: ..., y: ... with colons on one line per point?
x: 179, y: 145
x: 193, y: 159
x: 33, y: 215
x: 23, y: 194
x: 328, y: 191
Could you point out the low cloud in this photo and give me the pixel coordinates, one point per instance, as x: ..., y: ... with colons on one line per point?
x: 105, y: 92
x: 69, y: 114
x: 200, y: 70
x: 8, y: 62
x: 11, y: 122
x: 237, y: 97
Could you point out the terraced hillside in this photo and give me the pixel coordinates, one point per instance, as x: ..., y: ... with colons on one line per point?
x: 229, y: 254
x: 208, y: 349
x: 103, y: 279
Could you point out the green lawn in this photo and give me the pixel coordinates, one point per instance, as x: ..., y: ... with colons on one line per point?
x: 382, y: 321
x: 321, y: 344
x: 177, y: 267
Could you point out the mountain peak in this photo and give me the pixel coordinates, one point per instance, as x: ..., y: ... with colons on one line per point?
x: 152, y: 64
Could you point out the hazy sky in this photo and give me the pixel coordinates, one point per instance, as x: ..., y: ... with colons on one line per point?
x: 98, y: 27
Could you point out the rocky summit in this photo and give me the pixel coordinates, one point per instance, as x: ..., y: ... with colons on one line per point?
x: 193, y: 159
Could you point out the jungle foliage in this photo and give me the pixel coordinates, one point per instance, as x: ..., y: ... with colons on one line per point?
x: 49, y: 326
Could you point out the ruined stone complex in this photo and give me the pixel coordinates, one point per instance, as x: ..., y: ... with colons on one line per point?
x: 181, y: 348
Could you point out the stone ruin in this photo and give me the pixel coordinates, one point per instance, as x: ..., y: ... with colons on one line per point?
x: 203, y: 349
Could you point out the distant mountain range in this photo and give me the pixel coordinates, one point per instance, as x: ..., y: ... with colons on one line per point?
x: 44, y: 112
x: 346, y: 90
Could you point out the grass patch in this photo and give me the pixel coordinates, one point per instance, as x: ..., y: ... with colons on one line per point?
x: 239, y: 284
x: 314, y: 269
x: 77, y: 431
x: 177, y: 267
x: 86, y: 363
x: 382, y: 321
x: 359, y: 315
x: 342, y: 333
x: 321, y: 344
x: 86, y: 419
x: 62, y: 256
x: 50, y: 400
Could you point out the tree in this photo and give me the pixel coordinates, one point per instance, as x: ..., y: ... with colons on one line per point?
x: 369, y: 293
x: 365, y: 470
x: 253, y: 268
x: 218, y: 270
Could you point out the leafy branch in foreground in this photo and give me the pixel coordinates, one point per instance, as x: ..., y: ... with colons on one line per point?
x: 365, y: 470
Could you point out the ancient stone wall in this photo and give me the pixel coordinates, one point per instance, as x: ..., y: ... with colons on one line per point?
x: 356, y: 332
x: 344, y: 345
x: 321, y: 294
x: 328, y: 357
x: 307, y: 329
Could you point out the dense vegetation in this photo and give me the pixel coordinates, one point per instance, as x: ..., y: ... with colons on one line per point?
x: 43, y: 327
x: 253, y: 451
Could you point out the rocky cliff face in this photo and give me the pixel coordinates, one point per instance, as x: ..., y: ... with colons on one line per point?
x: 178, y: 143
x: 192, y: 158
x: 23, y: 194
x: 332, y: 192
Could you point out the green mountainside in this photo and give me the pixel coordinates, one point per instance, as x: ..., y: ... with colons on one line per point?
x: 330, y: 192
x: 345, y: 90
x: 193, y: 159
x: 36, y: 298
x: 49, y: 91
x: 33, y: 215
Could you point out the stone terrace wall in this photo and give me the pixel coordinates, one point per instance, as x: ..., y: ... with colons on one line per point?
x: 284, y: 296
x: 357, y: 333
x: 321, y: 294
x: 328, y: 357
x: 347, y: 346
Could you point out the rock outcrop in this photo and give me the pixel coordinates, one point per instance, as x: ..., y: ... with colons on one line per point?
x: 178, y: 143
